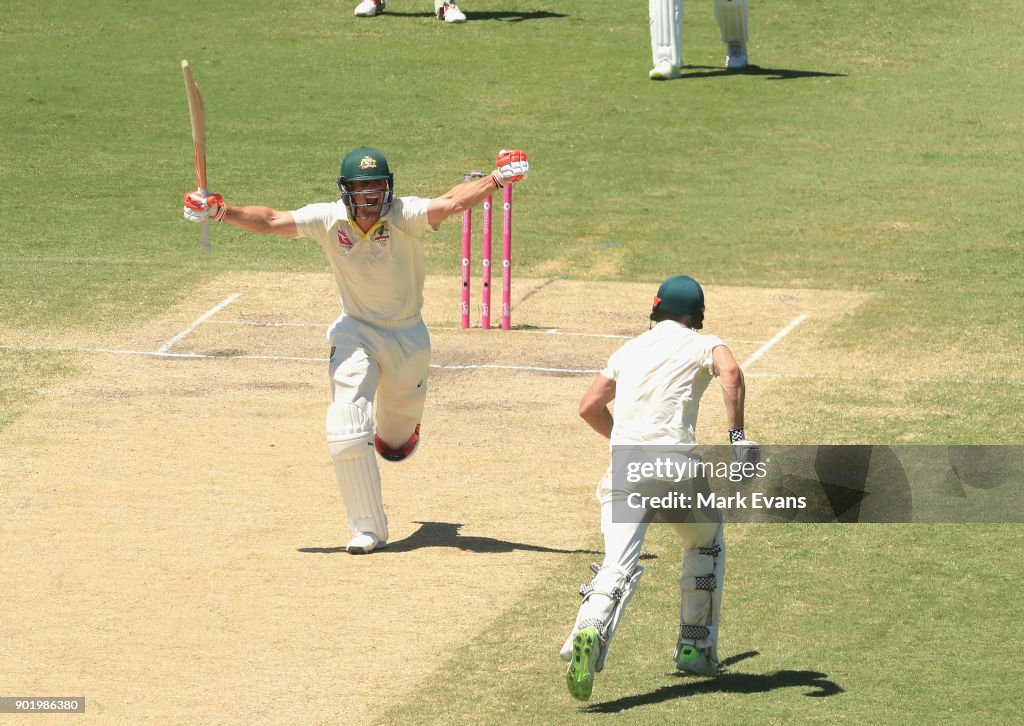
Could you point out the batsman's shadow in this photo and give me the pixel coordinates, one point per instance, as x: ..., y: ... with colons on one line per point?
x: 772, y: 74
x: 446, y: 534
x: 819, y: 684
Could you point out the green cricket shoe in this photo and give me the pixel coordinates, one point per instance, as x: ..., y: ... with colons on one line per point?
x: 586, y: 648
x: 693, y: 660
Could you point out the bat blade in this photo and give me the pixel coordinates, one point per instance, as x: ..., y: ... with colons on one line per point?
x: 197, y: 117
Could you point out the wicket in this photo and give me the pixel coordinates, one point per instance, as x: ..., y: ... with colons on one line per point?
x: 486, y: 254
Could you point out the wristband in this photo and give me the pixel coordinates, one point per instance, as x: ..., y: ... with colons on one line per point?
x: 222, y: 208
x: 736, y: 435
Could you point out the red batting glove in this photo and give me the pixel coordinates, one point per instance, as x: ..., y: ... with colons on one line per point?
x: 199, y: 208
x: 512, y: 167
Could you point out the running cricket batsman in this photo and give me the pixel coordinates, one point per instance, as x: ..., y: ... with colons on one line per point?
x: 380, y: 349
x: 657, y: 380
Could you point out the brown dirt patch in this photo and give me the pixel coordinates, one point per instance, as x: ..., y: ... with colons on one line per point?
x: 172, y: 532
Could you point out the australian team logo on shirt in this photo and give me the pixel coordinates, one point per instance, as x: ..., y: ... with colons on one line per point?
x: 382, y: 236
x: 344, y: 241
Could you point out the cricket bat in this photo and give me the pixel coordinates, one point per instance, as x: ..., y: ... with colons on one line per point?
x: 198, y: 118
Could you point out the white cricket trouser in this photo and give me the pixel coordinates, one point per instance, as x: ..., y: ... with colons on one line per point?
x: 372, y: 365
x: 383, y: 366
x: 623, y: 541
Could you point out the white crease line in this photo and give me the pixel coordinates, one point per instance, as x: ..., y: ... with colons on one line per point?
x: 258, y: 324
x: 455, y: 366
x: 544, y: 331
x: 443, y: 367
x: 775, y: 339
x: 207, y: 356
x: 203, y: 356
x: 199, y: 321
x: 495, y: 366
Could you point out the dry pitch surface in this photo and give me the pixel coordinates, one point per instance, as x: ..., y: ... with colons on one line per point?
x: 173, y: 538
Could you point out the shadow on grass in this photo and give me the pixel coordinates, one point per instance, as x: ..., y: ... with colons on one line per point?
x: 446, y: 534
x: 819, y: 684
x: 772, y: 74
x: 507, y: 16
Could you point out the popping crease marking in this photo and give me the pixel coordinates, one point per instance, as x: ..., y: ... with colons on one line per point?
x: 538, y: 331
x: 775, y: 339
x: 198, y: 321
x: 164, y: 350
x: 441, y: 366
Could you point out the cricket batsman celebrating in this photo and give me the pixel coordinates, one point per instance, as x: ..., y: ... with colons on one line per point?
x: 657, y: 381
x: 380, y: 348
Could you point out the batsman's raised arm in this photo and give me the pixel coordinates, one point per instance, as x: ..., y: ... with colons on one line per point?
x: 511, y: 166
x: 262, y: 220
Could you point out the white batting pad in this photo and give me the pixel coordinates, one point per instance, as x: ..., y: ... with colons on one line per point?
x: 733, y: 18
x: 701, y: 594
x: 666, y: 28
x: 350, y: 440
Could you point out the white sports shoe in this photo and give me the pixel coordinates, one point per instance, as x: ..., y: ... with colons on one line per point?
x: 364, y: 543
x: 664, y: 70
x: 737, y: 57
x: 448, y: 11
x: 370, y: 8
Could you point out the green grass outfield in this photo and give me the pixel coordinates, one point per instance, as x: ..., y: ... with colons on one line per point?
x: 877, y: 148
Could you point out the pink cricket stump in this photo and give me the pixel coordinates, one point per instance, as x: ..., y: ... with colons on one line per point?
x: 485, y: 300
x: 467, y: 247
x: 506, y: 258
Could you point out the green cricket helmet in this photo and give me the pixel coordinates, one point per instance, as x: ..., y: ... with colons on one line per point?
x: 680, y: 295
x: 365, y: 164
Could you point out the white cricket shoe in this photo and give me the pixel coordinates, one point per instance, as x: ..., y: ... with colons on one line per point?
x: 448, y: 11
x: 736, y: 59
x: 370, y: 8
x: 664, y: 70
x: 364, y: 543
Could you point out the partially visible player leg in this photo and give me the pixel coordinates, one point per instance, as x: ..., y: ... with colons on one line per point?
x: 350, y: 440
x: 733, y: 18
x: 604, y: 600
x: 666, y: 18
x: 700, y: 596
x: 402, y: 392
x: 605, y: 597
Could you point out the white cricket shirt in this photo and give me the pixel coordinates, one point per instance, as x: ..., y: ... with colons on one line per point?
x: 379, y: 275
x: 659, y: 379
